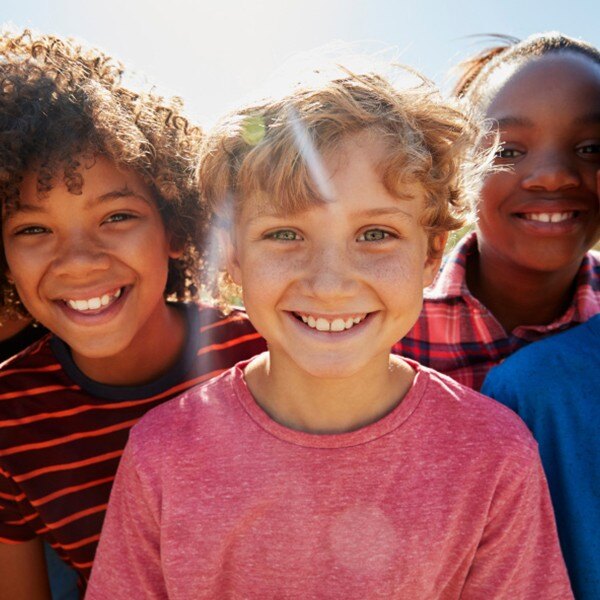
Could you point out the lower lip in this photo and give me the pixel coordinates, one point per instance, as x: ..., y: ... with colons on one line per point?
x: 331, y: 337
x: 565, y: 227
x: 95, y: 317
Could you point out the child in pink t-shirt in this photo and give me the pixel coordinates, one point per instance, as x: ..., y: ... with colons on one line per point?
x: 327, y: 468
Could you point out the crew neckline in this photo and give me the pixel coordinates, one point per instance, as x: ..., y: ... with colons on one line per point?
x: 175, y: 375
x: 390, y: 422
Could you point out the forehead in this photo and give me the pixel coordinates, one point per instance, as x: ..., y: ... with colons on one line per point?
x: 96, y: 178
x: 565, y: 82
x: 351, y: 175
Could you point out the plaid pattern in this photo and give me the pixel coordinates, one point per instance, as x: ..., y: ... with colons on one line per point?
x: 457, y: 335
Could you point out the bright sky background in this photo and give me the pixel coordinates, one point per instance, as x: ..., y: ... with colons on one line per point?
x: 214, y: 54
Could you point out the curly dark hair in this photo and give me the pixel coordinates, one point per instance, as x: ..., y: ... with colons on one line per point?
x: 62, y: 103
x: 474, y: 72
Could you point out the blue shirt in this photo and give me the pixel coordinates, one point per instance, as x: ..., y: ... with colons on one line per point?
x: 554, y: 385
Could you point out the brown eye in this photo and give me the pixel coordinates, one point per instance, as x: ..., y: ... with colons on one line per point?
x: 509, y: 153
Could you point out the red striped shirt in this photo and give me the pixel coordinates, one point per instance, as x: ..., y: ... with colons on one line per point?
x: 457, y: 335
x: 62, y: 435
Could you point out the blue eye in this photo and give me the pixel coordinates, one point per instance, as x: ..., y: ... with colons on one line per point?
x: 284, y: 235
x: 374, y: 235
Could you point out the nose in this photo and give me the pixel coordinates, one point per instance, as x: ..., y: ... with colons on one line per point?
x: 332, y: 275
x: 78, y: 255
x: 552, y: 172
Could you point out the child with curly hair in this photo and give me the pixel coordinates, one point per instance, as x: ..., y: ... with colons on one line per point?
x: 527, y: 271
x: 327, y: 467
x: 103, y: 234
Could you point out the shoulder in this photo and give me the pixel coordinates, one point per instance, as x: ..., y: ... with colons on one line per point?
x: 548, y: 363
x: 477, y: 421
x: 198, y: 415
x: 34, y: 363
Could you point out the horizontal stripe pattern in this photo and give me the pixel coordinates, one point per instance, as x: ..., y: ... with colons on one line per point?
x: 60, y: 445
x: 456, y: 334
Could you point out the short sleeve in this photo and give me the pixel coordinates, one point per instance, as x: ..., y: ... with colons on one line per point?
x: 14, y: 524
x: 127, y: 563
x: 519, y: 555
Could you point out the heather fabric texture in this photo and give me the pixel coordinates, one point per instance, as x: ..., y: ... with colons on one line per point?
x: 457, y: 335
x: 62, y: 434
x: 442, y: 498
x: 554, y: 385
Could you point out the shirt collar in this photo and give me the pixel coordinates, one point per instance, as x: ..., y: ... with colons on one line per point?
x: 451, y: 282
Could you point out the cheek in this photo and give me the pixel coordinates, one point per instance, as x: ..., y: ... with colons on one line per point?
x: 395, y: 272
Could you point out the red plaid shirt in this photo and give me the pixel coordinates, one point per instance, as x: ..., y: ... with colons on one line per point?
x: 457, y: 335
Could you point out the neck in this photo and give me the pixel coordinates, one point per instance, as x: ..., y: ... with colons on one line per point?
x: 318, y: 405
x: 152, y: 354
x: 519, y: 296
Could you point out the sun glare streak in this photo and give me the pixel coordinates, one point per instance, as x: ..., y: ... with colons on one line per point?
x: 310, y: 155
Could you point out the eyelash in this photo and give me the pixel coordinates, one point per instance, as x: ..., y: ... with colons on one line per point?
x: 595, y: 149
x: 386, y: 235
x: 503, y: 151
x: 120, y: 217
x: 31, y: 230
x: 280, y: 235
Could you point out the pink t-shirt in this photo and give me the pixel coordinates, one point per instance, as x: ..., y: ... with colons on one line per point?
x: 442, y: 498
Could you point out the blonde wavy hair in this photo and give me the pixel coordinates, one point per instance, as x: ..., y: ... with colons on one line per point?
x: 62, y: 104
x: 430, y: 140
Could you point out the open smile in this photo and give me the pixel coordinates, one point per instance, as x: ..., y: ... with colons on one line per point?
x: 331, y: 323
x: 95, y: 303
x: 94, y: 306
x: 549, y: 217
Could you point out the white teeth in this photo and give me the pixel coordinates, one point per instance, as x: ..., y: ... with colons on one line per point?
x: 549, y: 217
x: 336, y: 325
x: 322, y: 324
x: 93, y: 303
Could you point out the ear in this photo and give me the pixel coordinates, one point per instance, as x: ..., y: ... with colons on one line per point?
x: 176, y: 246
x: 230, y: 254
x: 434, y: 257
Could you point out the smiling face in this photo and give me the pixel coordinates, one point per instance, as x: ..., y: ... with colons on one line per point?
x: 91, y: 268
x: 540, y: 212
x: 333, y: 287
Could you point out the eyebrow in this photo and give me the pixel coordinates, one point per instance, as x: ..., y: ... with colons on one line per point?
x: 125, y: 192
x: 514, y: 122
x: 385, y: 211
x: 589, y: 119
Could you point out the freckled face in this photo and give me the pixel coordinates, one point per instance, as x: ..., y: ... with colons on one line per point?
x: 540, y: 212
x: 332, y: 288
x: 92, y: 268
